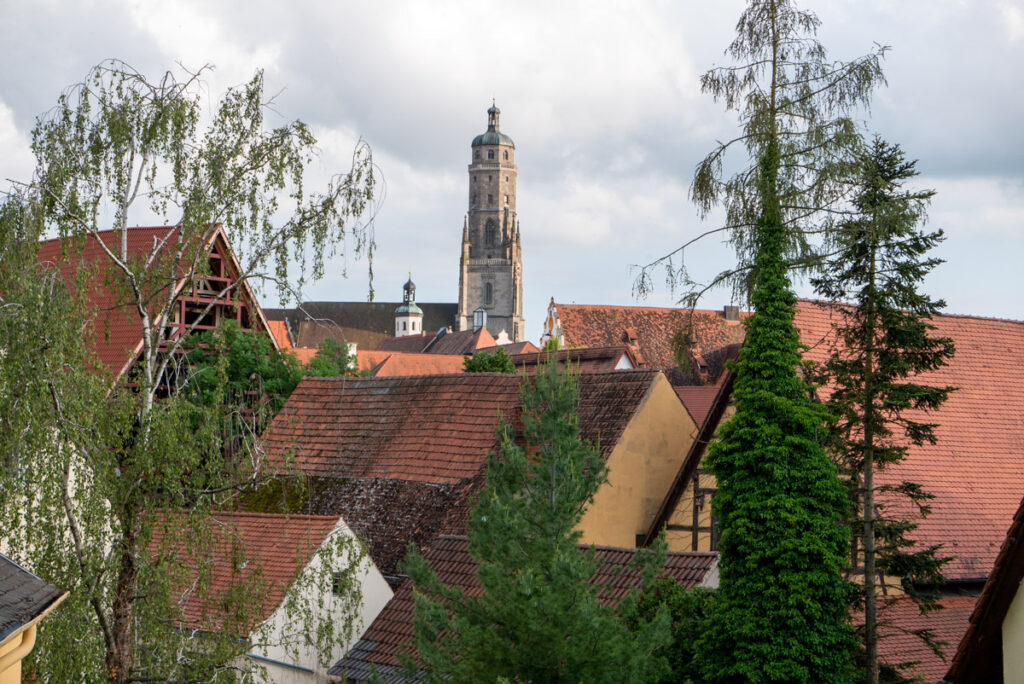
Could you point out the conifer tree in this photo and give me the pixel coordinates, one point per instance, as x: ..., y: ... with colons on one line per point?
x: 883, y: 340
x: 539, y: 618
x: 781, y: 614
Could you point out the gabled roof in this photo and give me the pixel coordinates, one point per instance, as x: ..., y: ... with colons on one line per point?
x: 259, y: 550
x: 391, y: 633
x: 442, y: 342
x: 116, y: 333
x: 24, y: 598
x: 585, y: 325
x: 698, y: 400
x: 979, y: 656
x: 588, y: 360
x: 976, y: 469
x: 430, y: 433
x: 400, y: 363
x: 279, y: 331
x: 511, y: 348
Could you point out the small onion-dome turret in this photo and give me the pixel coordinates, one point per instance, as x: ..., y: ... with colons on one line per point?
x: 493, y: 136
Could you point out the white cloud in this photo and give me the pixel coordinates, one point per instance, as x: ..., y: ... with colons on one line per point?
x: 15, y: 151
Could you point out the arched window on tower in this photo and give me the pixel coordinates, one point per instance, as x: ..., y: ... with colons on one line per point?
x: 488, y: 294
x: 476, y: 155
x: 490, y: 233
x: 490, y: 154
x: 506, y: 155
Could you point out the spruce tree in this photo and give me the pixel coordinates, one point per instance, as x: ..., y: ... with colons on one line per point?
x: 883, y: 340
x: 781, y: 614
x: 538, y: 618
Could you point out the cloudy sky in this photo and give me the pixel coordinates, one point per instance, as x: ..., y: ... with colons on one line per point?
x: 602, y: 100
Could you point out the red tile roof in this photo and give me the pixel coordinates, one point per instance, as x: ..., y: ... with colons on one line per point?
x: 524, y: 347
x: 264, y: 551
x: 896, y: 645
x: 976, y: 469
x: 653, y: 327
x: 431, y: 432
x: 588, y: 360
x: 115, y: 332
x: 441, y: 342
x: 391, y: 633
x: 279, y: 331
x: 400, y: 363
x: 368, y: 359
x: 979, y: 656
x: 698, y: 400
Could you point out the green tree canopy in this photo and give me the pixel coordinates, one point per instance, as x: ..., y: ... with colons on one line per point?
x: 484, y: 362
x: 884, y: 338
x: 539, y: 618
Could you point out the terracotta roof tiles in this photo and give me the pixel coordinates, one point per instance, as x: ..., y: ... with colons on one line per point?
x: 391, y: 633
x: 403, y: 454
x: 400, y: 363
x: 896, y: 644
x: 653, y: 328
x: 275, y: 549
x: 584, y: 360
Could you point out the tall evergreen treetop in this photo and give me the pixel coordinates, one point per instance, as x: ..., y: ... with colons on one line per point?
x: 883, y: 341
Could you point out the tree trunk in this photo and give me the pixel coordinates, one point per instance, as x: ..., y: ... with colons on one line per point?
x: 120, y: 654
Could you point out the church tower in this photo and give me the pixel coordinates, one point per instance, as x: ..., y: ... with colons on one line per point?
x: 491, y: 266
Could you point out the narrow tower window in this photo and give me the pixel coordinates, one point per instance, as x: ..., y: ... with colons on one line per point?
x: 490, y: 200
x: 490, y: 234
x: 476, y: 155
x: 506, y: 155
x: 488, y: 294
x: 490, y: 154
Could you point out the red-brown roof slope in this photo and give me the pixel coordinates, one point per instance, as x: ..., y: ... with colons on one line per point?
x: 980, y: 653
x: 897, y: 644
x: 698, y: 400
x: 400, y: 363
x: 408, y: 344
x: 589, y: 360
x: 397, y: 456
x: 391, y: 633
x: 275, y: 549
x: 511, y: 348
x: 976, y: 469
x: 462, y: 342
x: 653, y: 327
x: 279, y: 331
x: 116, y: 333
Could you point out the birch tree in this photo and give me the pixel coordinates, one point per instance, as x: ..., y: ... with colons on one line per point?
x: 116, y: 150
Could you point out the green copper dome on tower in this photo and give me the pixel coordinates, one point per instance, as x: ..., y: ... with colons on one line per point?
x: 409, y: 300
x: 493, y: 136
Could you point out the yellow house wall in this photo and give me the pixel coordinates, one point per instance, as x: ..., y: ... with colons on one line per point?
x: 12, y: 675
x: 641, y: 469
x: 1013, y: 641
x: 682, y: 516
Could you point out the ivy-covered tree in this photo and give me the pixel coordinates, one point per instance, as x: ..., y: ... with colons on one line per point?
x: 781, y: 613
x: 485, y: 362
x: 116, y: 150
x: 538, y: 618
x: 688, y: 609
x: 884, y: 340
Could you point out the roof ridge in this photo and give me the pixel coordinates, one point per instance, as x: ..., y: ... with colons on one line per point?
x: 717, y: 312
x: 825, y: 304
x: 255, y: 514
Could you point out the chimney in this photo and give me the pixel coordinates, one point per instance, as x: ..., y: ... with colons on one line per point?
x: 732, y: 313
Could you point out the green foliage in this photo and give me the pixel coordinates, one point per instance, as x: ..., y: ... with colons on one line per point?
x: 790, y: 95
x: 99, y: 456
x: 552, y: 345
x: 688, y: 609
x: 782, y: 611
x: 538, y: 618
x: 232, y: 366
x: 332, y: 360
x: 883, y: 340
x: 498, y: 362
